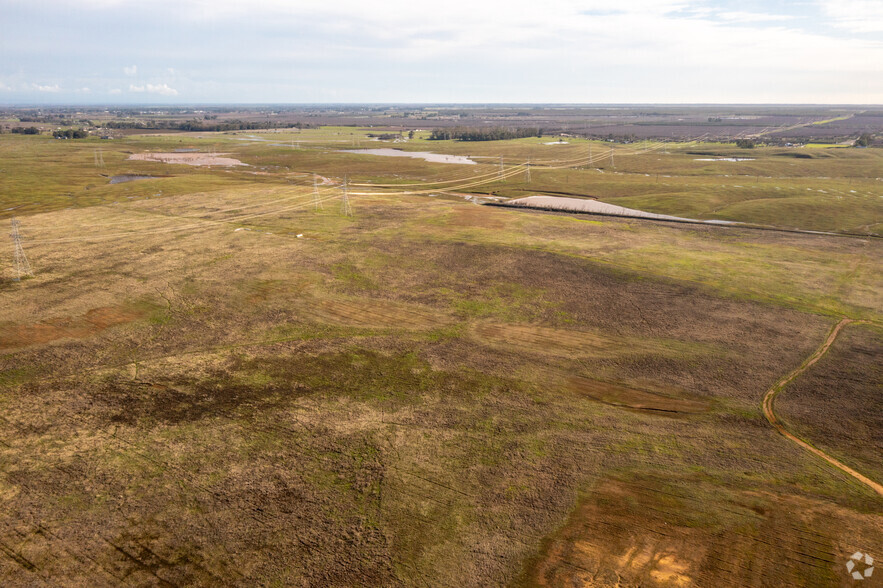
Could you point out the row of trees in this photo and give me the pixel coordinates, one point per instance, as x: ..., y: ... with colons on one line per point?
x: 484, y: 133
x: 70, y: 134
x: 201, y: 125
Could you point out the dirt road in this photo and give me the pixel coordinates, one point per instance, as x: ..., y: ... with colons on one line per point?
x: 770, y: 397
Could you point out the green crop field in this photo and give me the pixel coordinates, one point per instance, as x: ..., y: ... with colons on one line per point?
x: 218, y: 377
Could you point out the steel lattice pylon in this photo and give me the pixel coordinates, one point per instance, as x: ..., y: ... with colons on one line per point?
x: 345, y: 207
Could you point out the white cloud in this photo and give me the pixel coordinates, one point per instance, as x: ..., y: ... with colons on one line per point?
x: 53, y: 88
x: 130, y: 70
x: 161, y: 89
x: 751, y: 17
x: 857, y: 16
x: 115, y: 91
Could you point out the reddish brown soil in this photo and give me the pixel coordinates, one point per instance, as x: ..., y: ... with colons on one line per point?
x: 94, y: 321
x: 624, y: 396
x: 646, y: 533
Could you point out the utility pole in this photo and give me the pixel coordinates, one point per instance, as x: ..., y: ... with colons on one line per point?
x: 345, y: 207
x: 316, y: 203
x: 20, y: 261
x: 613, y: 165
x: 501, y: 167
x: 528, y: 171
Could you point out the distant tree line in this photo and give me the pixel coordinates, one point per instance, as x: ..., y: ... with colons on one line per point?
x: 865, y: 140
x: 25, y: 130
x: 70, y: 134
x: 484, y: 133
x: 201, y: 125
x: 745, y: 143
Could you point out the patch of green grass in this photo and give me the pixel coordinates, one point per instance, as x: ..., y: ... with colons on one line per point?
x: 352, y: 278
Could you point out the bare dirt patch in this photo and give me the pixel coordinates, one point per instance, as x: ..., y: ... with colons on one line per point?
x: 644, y: 533
x: 624, y: 396
x: 197, y: 159
x: 597, y: 207
x: 90, y: 323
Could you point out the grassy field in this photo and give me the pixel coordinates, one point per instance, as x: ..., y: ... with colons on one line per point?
x: 832, y: 189
x: 209, y: 381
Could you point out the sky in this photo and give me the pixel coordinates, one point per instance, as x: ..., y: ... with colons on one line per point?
x: 447, y: 51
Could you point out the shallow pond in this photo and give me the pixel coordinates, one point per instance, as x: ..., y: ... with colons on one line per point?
x: 425, y: 155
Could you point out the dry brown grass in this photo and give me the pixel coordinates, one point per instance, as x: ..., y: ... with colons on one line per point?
x: 366, y: 312
x: 835, y: 404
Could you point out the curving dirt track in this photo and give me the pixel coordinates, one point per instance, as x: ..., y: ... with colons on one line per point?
x: 770, y: 397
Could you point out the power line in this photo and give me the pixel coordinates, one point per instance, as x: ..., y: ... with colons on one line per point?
x: 346, y: 207
x: 20, y: 261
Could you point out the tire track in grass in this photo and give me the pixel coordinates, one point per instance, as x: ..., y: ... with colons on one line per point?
x: 770, y: 415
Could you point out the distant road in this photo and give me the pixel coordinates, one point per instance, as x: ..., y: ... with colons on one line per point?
x: 769, y: 131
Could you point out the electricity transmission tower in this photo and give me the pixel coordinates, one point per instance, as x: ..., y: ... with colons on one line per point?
x: 99, y: 158
x: 20, y: 261
x: 316, y: 203
x: 345, y: 207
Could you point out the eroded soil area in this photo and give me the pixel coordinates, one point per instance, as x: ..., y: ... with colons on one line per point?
x: 653, y: 532
x: 14, y: 336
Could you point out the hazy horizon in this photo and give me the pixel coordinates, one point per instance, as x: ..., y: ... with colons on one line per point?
x: 600, y: 105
